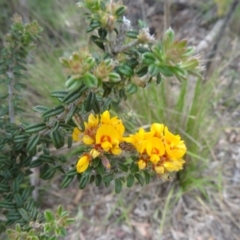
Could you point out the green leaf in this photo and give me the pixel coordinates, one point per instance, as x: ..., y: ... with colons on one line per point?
x: 49, y: 216
x: 165, y: 70
x: 130, y: 180
x: 15, y: 186
x: 142, y: 71
x: 69, y: 142
x: 90, y: 80
x: 71, y: 114
x: 24, y: 214
x: 20, y: 138
x: 7, y: 205
x: 59, y: 94
x: 120, y: 11
x: 102, y: 32
x: 36, y: 127
x: 40, y: 109
x: 132, y: 88
x: 4, y: 188
x: 89, y: 102
x: 159, y: 78
x: 98, y: 180
x: 56, y: 126
x: 13, y: 216
x: 118, y: 185
x: 20, y: 86
x: 54, y: 111
x: 134, y: 167
x: 3, y: 96
x: 74, y: 95
x: 169, y: 35
x: 108, y: 178
x: 125, y: 70
x: 98, y: 42
x: 84, y: 181
x: 132, y: 34
x: 71, y: 172
x: 100, y: 169
x: 123, y: 167
x: 148, y: 58
x: 67, y: 180
x: 114, y: 77
x: 26, y: 193
x: 73, y: 83
x: 147, y: 176
x: 32, y: 142
x: 140, y: 178
x: 57, y: 139
x: 18, y: 200
x: 153, y: 70
x: 36, y: 163
x: 49, y: 173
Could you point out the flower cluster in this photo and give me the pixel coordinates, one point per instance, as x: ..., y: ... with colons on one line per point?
x: 103, y: 134
x: 159, y: 148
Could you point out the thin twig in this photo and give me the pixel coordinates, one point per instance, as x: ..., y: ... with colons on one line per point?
x: 10, y: 95
x: 125, y: 47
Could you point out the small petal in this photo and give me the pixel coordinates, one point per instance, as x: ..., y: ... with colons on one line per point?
x: 83, y: 163
x: 159, y: 169
x: 106, y: 146
x: 94, y: 153
x: 116, y: 150
x: 141, y: 164
x: 76, y: 135
x: 88, y: 140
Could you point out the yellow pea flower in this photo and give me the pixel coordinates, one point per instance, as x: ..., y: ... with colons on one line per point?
x: 109, y: 138
x: 83, y: 163
x: 141, y: 164
x: 155, y: 149
x: 175, y: 147
x: 174, y: 165
x: 76, y: 135
x: 157, y: 130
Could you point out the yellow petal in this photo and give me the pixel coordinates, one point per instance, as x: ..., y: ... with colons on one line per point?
x: 106, y: 131
x: 174, y: 165
x: 106, y: 146
x: 88, y: 140
x: 154, y: 158
x: 94, y: 153
x: 83, y: 163
x: 159, y: 169
x: 141, y: 164
x: 176, y: 151
x: 155, y: 146
x: 105, y: 117
x: 157, y: 129
x: 116, y: 150
x: 76, y: 134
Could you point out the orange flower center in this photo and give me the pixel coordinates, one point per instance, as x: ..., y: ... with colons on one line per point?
x: 155, y: 151
x: 105, y: 138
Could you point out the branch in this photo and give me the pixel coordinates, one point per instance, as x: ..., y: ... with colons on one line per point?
x: 125, y: 47
x: 10, y: 96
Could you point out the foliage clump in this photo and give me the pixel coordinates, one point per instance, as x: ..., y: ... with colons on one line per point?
x: 126, y: 59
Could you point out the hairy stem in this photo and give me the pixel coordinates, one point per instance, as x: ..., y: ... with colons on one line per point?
x: 125, y: 47
x: 10, y: 96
